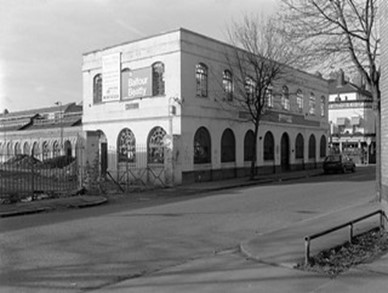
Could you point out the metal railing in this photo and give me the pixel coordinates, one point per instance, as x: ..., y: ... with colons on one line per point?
x: 349, y: 224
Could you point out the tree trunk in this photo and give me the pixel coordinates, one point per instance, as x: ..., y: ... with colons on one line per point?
x: 254, y: 151
x: 376, y: 108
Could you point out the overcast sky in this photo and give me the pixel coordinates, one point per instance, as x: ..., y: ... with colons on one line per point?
x: 42, y: 41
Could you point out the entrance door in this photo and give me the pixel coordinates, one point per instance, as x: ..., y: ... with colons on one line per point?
x: 285, y: 152
x: 104, y: 158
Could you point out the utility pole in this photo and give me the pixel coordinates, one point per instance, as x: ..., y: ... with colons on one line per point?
x: 61, y: 124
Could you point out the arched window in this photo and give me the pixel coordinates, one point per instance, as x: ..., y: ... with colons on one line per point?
x: 18, y: 149
x: 156, y: 146
x: 227, y: 84
x: 312, y: 104
x: 299, y: 147
x: 158, y: 79
x: 9, y: 149
x: 323, y: 147
x: 124, y: 83
x: 269, y: 147
x: 323, y: 106
x: 68, y: 150
x: 201, y: 80
x: 285, y: 98
x: 97, y: 89
x: 250, y: 87
x: 269, y: 96
x: 26, y: 149
x: 126, y: 146
x: 249, y: 142
x: 45, y: 150
x: 228, y: 146
x: 299, y: 100
x: 35, y: 150
x: 312, y: 147
x: 202, y: 146
x: 56, y: 149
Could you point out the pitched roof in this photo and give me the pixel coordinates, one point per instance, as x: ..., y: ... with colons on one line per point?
x: 346, y: 88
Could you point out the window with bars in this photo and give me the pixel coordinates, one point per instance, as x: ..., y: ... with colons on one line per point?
x: 202, y: 146
x: 126, y: 146
x: 155, y: 145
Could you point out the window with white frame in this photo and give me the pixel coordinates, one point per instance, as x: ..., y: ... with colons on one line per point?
x: 312, y: 104
x: 285, y: 98
x: 227, y: 85
x: 323, y: 106
x: 299, y: 100
x: 201, y: 80
x: 269, y: 96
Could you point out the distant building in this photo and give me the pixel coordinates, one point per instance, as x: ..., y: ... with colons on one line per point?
x: 158, y: 109
x: 40, y: 132
x: 352, y: 120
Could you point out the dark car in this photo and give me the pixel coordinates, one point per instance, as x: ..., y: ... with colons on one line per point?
x: 338, y: 163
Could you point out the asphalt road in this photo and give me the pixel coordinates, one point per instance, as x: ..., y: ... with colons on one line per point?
x: 88, y: 249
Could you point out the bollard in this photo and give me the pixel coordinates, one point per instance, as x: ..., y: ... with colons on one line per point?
x: 307, y: 250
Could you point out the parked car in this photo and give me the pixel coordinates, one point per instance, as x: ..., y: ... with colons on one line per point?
x: 338, y: 163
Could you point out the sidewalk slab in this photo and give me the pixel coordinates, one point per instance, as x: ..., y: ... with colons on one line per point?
x: 285, y: 247
x: 81, y: 201
x: 220, y: 274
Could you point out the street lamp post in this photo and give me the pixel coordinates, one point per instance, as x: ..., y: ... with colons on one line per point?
x: 61, y: 124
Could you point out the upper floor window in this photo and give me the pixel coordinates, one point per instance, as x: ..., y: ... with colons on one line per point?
x: 227, y: 85
x: 158, y: 79
x: 269, y: 96
x: 299, y: 100
x: 323, y: 106
x: 201, y: 80
x: 312, y: 103
x: 285, y: 98
x: 124, y: 82
x: 250, y: 87
x: 97, y: 88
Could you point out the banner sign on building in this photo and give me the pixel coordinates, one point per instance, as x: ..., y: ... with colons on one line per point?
x: 139, y: 84
x: 111, y: 77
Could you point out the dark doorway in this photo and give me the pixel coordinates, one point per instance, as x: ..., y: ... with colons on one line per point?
x: 285, y: 152
x: 104, y: 158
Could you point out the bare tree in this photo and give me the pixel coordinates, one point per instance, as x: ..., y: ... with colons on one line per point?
x: 339, y: 32
x: 259, y: 57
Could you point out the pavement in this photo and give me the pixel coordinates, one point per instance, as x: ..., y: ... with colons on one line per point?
x: 265, y: 263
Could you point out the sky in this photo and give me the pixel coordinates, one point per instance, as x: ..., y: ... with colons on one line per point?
x: 42, y: 41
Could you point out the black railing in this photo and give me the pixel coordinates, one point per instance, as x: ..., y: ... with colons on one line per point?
x: 24, y: 176
x: 349, y: 224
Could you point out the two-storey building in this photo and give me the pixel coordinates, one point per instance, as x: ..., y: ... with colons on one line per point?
x: 352, y: 120
x: 159, y: 110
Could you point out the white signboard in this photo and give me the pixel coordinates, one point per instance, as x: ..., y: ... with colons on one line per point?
x: 111, y: 77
